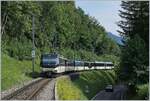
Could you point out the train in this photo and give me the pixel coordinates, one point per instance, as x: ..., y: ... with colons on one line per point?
x: 54, y: 63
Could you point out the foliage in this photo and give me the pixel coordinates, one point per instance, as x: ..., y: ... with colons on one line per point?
x: 135, y: 20
x: 134, y: 58
x: 79, y: 85
x: 22, y: 50
x: 58, y: 25
x: 142, y: 93
x: 135, y: 30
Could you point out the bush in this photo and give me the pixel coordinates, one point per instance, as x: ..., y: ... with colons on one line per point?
x: 142, y: 92
x: 19, y: 49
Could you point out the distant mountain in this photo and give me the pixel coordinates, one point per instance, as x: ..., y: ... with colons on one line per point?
x: 115, y: 38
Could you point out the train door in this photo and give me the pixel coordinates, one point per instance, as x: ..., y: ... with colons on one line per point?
x: 65, y: 65
x: 74, y: 65
x: 105, y: 65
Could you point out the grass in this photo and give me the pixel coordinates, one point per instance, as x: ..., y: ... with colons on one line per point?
x: 86, y: 86
x: 143, y: 91
x: 14, y: 72
x: 68, y: 91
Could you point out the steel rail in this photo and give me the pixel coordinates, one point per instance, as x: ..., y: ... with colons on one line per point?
x: 35, y: 91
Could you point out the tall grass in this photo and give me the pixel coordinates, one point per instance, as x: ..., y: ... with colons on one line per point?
x: 68, y: 91
x: 15, y: 72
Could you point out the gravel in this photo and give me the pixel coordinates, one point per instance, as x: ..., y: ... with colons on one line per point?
x: 48, y: 92
x: 16, y: 87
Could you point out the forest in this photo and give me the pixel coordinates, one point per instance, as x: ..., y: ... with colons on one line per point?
x: 59, y: 27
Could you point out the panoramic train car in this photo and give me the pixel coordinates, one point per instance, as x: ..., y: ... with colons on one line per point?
x: 61, y: 66
x: 109, y: 65
x: 87, y: 65
x: 79, y: 65
x: 102, y: 65
x: 69, y: 66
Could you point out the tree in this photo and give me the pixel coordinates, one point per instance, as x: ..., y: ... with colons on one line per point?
x: 135, y: 30
x: 134, y: 59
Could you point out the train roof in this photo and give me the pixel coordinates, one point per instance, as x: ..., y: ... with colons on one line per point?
x: 50, y: 54
x: 63, y: 58
x: 60, y: 56
x: 55, y: 55
x: 103, y: 62
x: 78, y: 61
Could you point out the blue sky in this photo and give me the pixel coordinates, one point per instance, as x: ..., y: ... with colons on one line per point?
x: 106, y: 12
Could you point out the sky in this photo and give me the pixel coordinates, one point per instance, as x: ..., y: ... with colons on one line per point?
x: 106, y: 12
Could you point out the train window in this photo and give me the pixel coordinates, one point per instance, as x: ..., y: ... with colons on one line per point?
x: 53, y: 56
x: 110, y: 65
x: 86, y: 64
x: 49, y: 56
x: 47, y: 61
x: 99, y: 64
x: 70, y: 63
x: 79, y: 63
x: 45, y: 58
x: 93, y: 64
x: 62, y: 62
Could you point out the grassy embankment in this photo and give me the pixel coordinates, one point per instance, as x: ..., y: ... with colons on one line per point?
x: 86, y: 86
x: 15, y: 72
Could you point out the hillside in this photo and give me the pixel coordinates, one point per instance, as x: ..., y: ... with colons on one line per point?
x: 58, y: 26
x: 116, y: 38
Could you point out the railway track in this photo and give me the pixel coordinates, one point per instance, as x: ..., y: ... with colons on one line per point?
x: 28, y: 92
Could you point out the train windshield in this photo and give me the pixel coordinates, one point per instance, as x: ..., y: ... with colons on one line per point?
x: 53, y: 56
x: 49, y: 58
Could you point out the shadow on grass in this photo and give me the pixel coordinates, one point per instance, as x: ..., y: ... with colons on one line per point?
x: 33, y: 74
x: 74, y: 76
x: 95, y: 80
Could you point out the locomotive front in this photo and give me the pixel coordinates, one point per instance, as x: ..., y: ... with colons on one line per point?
x: 49, y: 62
